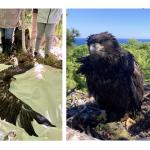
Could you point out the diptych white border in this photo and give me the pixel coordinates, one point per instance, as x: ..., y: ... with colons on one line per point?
x: 74, y: 145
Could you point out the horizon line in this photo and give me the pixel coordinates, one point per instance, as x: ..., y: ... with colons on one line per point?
x: 122, y: 38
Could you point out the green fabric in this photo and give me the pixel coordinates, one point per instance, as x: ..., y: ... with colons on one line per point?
x: 2, y: 66
x: 41, y: 88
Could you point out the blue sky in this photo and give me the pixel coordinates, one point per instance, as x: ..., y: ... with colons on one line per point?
x: 123, y: 23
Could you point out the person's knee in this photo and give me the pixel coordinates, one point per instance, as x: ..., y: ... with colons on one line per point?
x: 38, y: 38
x: 49, y: 38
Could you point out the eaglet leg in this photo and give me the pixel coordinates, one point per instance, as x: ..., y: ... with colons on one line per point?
x: 127, y: 121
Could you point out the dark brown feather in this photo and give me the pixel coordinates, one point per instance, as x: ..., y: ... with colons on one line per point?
x: 113, y: 76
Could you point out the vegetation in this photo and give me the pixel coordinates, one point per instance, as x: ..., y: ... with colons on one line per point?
x: 71, y: 34
x: 141, y: 51
x: 73, y: 79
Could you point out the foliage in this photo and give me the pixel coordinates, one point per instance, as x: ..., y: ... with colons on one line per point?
x: 73, y: 79
x: 71, y: 34
x: 58, y: 31
x: 58, y: 28
x: 141, y: 51
x: 27, y: 18
x: 51, y: 60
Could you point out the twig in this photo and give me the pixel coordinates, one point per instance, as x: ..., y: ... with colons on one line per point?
x: 70, y: 91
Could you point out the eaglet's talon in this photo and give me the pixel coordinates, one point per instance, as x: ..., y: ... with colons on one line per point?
x: 128, y: 122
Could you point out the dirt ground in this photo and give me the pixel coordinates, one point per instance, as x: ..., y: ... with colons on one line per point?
x: 86, y: 121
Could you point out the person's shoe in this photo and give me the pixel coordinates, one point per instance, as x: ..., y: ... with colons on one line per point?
x: 36, y: 54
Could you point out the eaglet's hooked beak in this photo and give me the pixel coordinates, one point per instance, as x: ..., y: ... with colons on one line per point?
x: 96, y: 47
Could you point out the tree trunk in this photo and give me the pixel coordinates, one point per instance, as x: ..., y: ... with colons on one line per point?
x: 34, y: 30
x: 23, y: 31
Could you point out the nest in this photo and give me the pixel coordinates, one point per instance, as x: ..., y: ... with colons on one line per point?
x: 27, y: 58
x: 85, y: 116
x: 51, y: 60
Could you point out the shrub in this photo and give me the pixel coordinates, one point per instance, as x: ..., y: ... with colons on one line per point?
x: 140, y: 50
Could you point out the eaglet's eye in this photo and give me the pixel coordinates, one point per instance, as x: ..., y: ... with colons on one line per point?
x: 95, y: 47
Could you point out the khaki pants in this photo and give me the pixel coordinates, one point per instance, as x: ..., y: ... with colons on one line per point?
x: 47, y: 30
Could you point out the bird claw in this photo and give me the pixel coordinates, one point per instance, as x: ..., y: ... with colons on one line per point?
x: 128, y: 123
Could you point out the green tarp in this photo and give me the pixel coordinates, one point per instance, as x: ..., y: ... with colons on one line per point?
x: 41, y: 88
